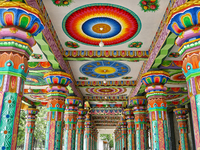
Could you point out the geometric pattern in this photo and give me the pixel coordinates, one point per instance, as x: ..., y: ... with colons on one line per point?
x: 104, y: 69
x: 106, y: 91
x: 118, y: 24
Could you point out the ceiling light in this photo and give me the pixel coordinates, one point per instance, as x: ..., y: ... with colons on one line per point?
x: 101, y: 44
x: 29, y: 90
x: 104, y: 80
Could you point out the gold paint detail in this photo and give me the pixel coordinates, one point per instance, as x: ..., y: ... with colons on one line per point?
x: 106, y: 28
x: 105, y: 70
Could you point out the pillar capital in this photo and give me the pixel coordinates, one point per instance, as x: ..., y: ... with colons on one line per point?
x: 57, y: 81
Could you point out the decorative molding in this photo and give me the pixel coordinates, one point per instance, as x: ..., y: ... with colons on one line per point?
x: 101, y: 55
x: 83, y: 84
x: 109, y: 98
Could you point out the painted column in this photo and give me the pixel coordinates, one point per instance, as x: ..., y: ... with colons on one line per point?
x: 148, y: 130
x: 88, y: 131
x: 31, y: 113
x: 71, y: 114
x: 182, y: 126
x: 115, y: 132
x: 130, y: 128
x: 157, y: 107
x: 124, y: 131
x: 80, y: 129
x: 184, y: 22
x: 120, y: 139
x: 57, y: 92
x: 19, y: 23
x: 139, y: 108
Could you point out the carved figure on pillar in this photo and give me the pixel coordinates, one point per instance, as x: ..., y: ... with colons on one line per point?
x: 31, y: 113
x: 182, y: 126
x: 80, y: 129
x: 88, y: 132
x: 184, y: 22
x: 57, y: 92
x: 139, y: 108
x: 71, y: 115
x: 130, y: 128
x: 157, y: 107
x: 124, y: 131
x: 19, y: 23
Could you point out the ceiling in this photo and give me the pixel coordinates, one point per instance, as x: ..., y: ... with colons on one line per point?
x: 135, y: 39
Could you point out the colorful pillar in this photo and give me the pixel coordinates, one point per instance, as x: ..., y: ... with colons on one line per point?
x: 115, y: 132
x: 88, y: 132
x: 30, y: 127
x: 57, y: 92
x: 130, y: 128
x: 139, y: 108
x: 21, y: 23
x: 157, y: 107
x: 184, y: 22
x: 80, y: 129
x: 148, y: 129
x: 182, y: 126
x: 124, y: 131
x: 71, y: 114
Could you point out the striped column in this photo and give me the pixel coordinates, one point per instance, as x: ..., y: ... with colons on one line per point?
x: 57, y: 92
x: 183, y: 21
x: 182, y: 126
x: 139, y: 108
x: 80, y: 129
x: 71, y: 115
x: 130, y: 128
x: 31, y: 113
x: 157, y: 107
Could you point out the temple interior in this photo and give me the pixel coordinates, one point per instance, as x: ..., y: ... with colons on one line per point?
x: 99, y: 75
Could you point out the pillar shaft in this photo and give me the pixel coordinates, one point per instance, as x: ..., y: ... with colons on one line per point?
x: 30, y: 127
x: 139, y: 109
x: 71, y: 114
x: 157, y: 107
x: 16, y: 40
x: 80, y: 129
x: 182, y: 126
x: 88, y: 132
x: 124, y: 131
x: 130, y: 128
x: 188, y: 40
x: 57, y: 93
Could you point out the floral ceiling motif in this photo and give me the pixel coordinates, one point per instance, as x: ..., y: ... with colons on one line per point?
x: 104, y: 69
x: 118, y: 24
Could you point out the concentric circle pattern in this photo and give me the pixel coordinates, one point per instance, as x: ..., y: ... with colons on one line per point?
x: 112, y: 23
x: 106, y: 91
x: 104, y: 69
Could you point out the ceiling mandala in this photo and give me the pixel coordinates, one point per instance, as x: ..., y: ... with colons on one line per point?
x: 106, y: 91
x: 119, y: 24
x: 104, y: 69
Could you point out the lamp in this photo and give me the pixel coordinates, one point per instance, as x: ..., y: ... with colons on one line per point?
x: 29, y: 89
x: 101, y: 44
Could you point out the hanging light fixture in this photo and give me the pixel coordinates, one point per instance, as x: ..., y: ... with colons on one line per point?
x: 29, y: 89
x: 101, y: 44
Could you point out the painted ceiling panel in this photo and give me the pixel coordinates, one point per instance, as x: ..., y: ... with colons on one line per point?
x: 147, y: 20
x: 114, y: 71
